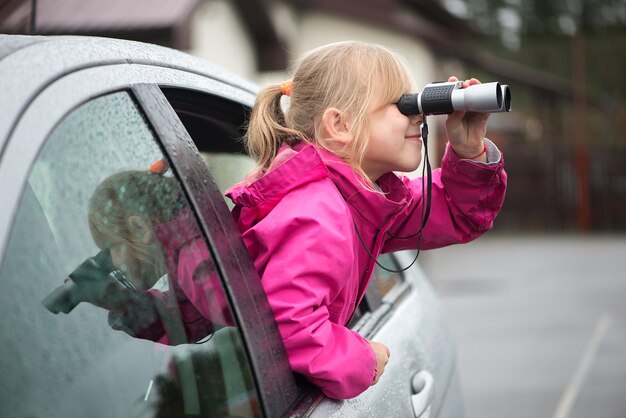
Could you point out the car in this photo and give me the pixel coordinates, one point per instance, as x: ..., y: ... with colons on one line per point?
x: 76, y: 110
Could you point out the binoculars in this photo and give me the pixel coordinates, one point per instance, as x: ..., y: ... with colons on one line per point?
x: 446, y: 97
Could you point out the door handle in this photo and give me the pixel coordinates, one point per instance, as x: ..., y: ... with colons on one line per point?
x: 422, y: 384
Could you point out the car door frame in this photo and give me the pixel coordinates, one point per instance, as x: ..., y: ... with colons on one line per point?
x: 277, y: 383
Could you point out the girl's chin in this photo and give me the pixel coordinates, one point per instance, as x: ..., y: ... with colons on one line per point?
x: 409, y: 168
x: 415, y: 163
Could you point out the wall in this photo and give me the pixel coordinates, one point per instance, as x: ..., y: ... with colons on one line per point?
x: 219, y: 36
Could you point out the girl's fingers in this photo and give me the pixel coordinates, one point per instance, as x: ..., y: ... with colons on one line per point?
x: 470, y: 82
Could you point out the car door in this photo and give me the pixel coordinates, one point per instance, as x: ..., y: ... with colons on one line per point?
x: 79, y: 130
x: 401, y: 310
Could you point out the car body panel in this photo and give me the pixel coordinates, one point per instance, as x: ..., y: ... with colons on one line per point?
x: 429, y: 352
x: 37, y: 61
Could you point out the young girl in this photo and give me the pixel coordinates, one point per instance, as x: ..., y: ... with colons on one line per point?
x: 325, y: 203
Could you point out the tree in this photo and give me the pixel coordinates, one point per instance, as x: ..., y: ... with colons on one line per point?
x: 582, y: 134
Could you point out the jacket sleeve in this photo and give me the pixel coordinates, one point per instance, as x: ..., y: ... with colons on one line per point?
x: 304, y: 261
x: 466, y: 198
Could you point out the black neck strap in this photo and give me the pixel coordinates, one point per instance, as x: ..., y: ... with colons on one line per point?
x: 426, y: 202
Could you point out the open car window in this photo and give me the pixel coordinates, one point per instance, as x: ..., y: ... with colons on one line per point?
x: 112, y: 302
x: 216, y: 127
x: 218, y: 133
x: 380, y: 294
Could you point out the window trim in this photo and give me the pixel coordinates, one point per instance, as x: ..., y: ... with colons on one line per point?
x: 277, y: 385
x: 376, y: 309
x: 214, y: 110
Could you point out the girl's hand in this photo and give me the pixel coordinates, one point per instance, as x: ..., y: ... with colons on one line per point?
x: 467, y: 130
x: 382, y: 357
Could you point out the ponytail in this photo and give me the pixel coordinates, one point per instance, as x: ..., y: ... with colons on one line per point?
x: 352, y: 76
x: 267, y: 128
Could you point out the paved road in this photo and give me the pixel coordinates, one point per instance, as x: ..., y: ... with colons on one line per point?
x: 540, y: 323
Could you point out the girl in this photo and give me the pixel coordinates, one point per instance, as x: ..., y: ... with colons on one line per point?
x: 325, y: 203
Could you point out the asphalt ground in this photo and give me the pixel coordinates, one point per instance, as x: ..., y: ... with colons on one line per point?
x: 539, y: 322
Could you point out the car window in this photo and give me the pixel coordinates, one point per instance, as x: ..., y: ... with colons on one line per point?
x: 216, y: 126
x: 229, y: 169
x: 112, y: 303
x: 214, y: 123
x: 381, y: 284
x: 385, y: 280
x: 219, y: 140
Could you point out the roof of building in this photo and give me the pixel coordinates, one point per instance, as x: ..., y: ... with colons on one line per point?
x: 167, y: 22
x: 89, y: 15
x: 163, y: 22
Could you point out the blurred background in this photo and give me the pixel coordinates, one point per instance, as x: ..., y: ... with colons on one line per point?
x: 537, y: 304
x: 565, y: 61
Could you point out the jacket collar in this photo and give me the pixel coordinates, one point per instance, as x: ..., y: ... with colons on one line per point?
x: 311, y: 163
x: 264, y: 193
x: 373, y: 206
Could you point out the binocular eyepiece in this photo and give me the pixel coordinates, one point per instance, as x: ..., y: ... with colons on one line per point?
x: 447, y: 97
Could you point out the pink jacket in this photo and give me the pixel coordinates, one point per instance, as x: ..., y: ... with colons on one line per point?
x: 298, y: 222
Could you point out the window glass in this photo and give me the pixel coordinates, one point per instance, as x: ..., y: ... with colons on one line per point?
x: 112, y: 305
x: 385, y: 280
x: 229, y: 169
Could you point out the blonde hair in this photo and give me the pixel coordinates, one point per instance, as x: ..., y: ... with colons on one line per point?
x: 352, y: 76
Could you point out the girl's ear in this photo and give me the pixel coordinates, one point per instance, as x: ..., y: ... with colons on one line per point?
x: 336, y: 128
x: 143, y: 227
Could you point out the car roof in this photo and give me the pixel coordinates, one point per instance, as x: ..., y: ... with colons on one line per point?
x: 8, y: 44
x: 30, y: 63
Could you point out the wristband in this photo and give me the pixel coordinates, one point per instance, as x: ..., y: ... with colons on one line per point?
x: 476, y: 156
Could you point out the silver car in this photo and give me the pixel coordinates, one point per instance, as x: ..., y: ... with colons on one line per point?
x: 76, y: 110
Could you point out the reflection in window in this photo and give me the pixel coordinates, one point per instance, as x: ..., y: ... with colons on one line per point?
x: 113, y: 300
